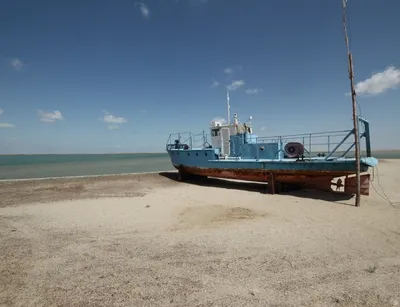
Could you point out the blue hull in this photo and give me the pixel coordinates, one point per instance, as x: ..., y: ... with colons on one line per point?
x: 208, y: 159
x: 274, y: 160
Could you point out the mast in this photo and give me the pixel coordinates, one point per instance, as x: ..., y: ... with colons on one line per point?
x: 354, y: 102
x: 228, y: 106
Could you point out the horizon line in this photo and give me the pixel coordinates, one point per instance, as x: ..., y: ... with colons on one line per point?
x: 134, y: 153
x: 77, y: 153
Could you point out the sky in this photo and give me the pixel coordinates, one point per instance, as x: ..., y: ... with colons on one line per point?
x: 119, y: 76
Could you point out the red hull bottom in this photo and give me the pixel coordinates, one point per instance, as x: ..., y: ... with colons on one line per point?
x: 321, y: 180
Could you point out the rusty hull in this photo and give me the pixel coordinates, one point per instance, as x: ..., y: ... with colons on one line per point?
x: 318, y: 180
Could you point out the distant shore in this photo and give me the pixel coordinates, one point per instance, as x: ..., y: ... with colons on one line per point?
x: 76, y: 154
x: 137, y: 153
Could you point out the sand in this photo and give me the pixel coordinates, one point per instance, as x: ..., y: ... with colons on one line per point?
x: 148, y: 240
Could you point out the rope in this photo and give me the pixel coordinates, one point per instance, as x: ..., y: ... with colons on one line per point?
x: 383, y: 195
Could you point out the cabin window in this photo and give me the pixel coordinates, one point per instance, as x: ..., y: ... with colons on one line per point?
x: 205, y: 154
x: 214, y: 132
x: 188, y: 154
x: 197, y: 154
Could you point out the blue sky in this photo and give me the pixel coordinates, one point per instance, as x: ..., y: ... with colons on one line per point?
x: 119, y: 76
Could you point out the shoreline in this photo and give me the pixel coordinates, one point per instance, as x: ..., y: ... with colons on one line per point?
x: 113, y: 174
x: 134, y: 153
x: 45, y: 190
x: 87, y: 154
x: 84, y: 176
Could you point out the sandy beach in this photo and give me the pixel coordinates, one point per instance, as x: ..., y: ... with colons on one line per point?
x: 149, y: 240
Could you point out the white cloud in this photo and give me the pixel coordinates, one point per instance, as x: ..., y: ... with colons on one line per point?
x: 263, y: 128
x: 228, y: 70
x: 253, y: 91
x: 379, y: 82
x: 50, y: 117
x: 16, y: 63
x: 219, y: 119
x: 6, y: 125
x: 231, y: 70
x: 112, y: 119
x: 144, y: 9
x: 235, y: 85
x: 215, y: 84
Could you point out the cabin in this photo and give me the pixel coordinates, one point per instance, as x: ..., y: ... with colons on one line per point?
x: 236, y: 140
x: 232, y: 141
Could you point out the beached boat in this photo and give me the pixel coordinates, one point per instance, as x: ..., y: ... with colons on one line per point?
x: 312, y: 160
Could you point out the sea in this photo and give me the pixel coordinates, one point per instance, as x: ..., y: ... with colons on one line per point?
x: 74, y: 165
x: 48, y: 165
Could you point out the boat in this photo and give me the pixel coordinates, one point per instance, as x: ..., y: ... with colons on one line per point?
x: 313, y: 160
x: 319, y: 160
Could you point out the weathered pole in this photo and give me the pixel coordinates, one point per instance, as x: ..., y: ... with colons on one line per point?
x: 354, y: 103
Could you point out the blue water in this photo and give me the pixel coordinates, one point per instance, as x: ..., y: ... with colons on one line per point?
x: 43, y: 166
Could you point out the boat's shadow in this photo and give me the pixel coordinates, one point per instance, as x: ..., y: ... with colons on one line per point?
x: 259, y: 188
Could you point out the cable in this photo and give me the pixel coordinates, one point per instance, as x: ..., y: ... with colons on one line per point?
x: 384, y: 196
x: 359, y: 108
x: 345, y: 23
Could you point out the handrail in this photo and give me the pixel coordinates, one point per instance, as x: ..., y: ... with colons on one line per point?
x: 306, y: 134
x: 318, y: 143
x: 192, y: 140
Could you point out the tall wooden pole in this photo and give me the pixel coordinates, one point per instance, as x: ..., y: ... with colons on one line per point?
x: 354, y: 102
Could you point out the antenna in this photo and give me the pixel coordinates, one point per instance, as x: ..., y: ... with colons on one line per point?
x: 354, y: 102
x: 229, y: 106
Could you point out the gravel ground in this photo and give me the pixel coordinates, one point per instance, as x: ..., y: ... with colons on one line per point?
x: 147, y: 240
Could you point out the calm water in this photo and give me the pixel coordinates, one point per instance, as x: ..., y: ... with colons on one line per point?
x: 42, y: 166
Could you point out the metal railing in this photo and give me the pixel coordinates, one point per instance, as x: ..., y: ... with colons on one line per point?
x: 329, y: 145
x: 192, y: 140
x: 315, y: 144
